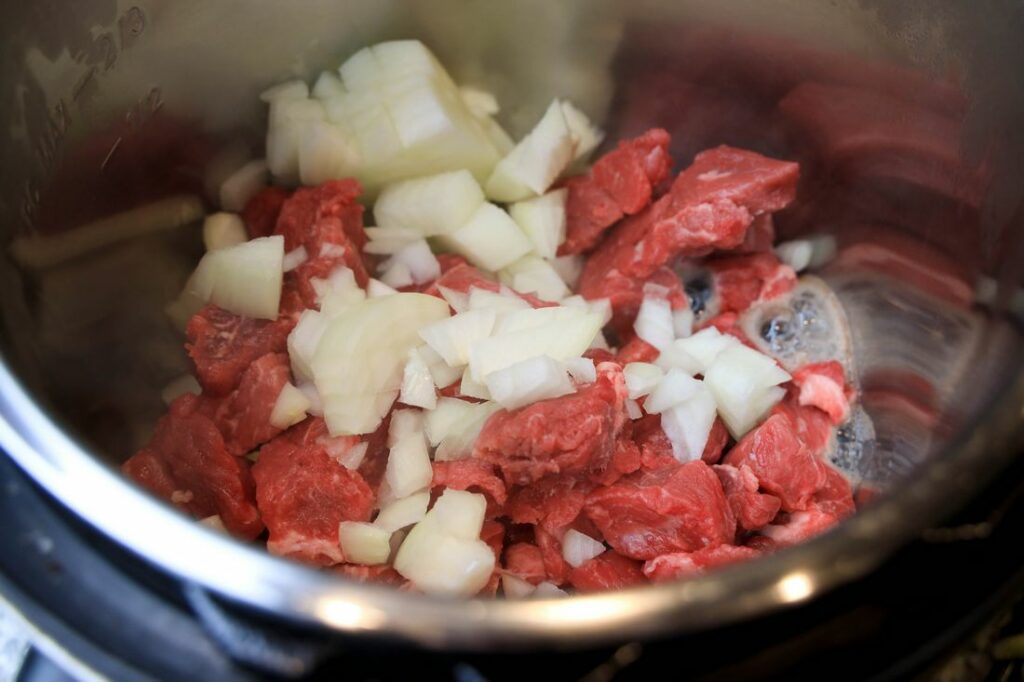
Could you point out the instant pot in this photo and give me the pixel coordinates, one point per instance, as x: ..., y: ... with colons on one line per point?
x: 121, y: 116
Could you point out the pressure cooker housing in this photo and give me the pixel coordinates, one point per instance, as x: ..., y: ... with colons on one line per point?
x: 111, y: 105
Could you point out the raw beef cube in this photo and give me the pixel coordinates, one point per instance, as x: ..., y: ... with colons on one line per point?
x: 573, y: 434
x: 261, y: 212
x: 625, y: 460
x: 186, y: 462
x: 823, y: 385
x: 303, y: 495
x: 553, y: 502
x: 782, y: 463
x: 473, y: 475
x: 688, y: 564
x: 742, y: 281
x: 799, y: 527
x: 551, y: 554
x: 375, y: 461
x: 651, y: 513
x: 622, y: 182
x: 753, y: 510
x: 309, y: 205
x: 636, y: 350
x: 717, y: 440
x: 525, y: 560
x: 608, y: 571
x: 813, y: 427
x: 222, y: 345
x: 760, y: 236
x: 243, y: 417
x: 836, y: 496
x: 493, y: 533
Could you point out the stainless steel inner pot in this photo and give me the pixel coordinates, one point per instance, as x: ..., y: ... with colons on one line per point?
x: 109, y: 106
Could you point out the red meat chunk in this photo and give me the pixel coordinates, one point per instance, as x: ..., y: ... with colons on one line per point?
x: 551, y: 554
x: 782, y: 463
x: 261, y: 212
x: 717, y: 440
x: 836, y: 496
x: 493, y: 533
x: 753, y: 510
x: 813, y: 427
x: 710, y: 206
x: 186, y: 462
x: 622, y: 182
x: 553, y: 502
x: 573, y: 434
x: 742, y: 281
x: 760, y: 236
x: 608, y: 571
x: 310, y: 205
x: 525, y: 560
x: 223, y: 345
x: 688, y: 564
x: 473, y: 475
x: 823, y: 385
x: 636, y: 350
x: 304, y: 494
x: 651, y: 513
x: 243, y: 417
x: 625, y: 459
x: 798, y: 527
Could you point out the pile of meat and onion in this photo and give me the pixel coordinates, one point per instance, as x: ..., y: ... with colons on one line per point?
x: 531, y: 373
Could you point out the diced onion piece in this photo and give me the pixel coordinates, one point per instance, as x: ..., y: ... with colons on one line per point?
x: 654, y: 322
x: 364, y: 543
x: 242, y: 185
x: 459, y: 442
x: 294, y: 258
x: 376, y: 288
x: 676, y: 387
x: 705, y: 345
x: 479, y: 102
x: 543, y: 221
x: 674, y: 356
x: 578, y: 549
x: 529, y: 381
x: 600, y: 342
x: 490, y: 239
x: 353, y: 457
x: 288, y: 119
x: 316, y: 406
x: 569, y: 268
x: 641, y: 378
x: 290, y: 407
x: 443, y: 374
x: 403, y: 513
x: 586, y: 136
x: 422, y: 264
x: 339, y: 292
x: 560, y: 339
x: 303, y: 341
x: 418, y: 387
x: 397, y: 275
x: 389, y: 240
x: 408, y: 469
x: 358, y: 363
x: 633, y: 409
x: 325, y: 153
x: 740, y: 380
x: 682, y: 322
x: 438, y: 563
x: 515, y: 588
x: 582, y: 370
x: 186, y: 383
x: 216, y: 523
x: 453, y: 337
x: 688, y: 425
x: 531, y: 318
x: 500, y: 303
x: 549, y: 589
x: 405, y: 423
x: 472, y: 388
x: 293, y: 89
x: 244, y: 279
x: 188, y: 303
x: 497, y: 135
x: 796, y: 254
x: 327, y: 85
x: 460, y: 513
x: 433, y: 205
x: 533, y: 275
x: 603, y: 306
x: 449, y: 415
x: 458, y: 300
x: 536, y: 162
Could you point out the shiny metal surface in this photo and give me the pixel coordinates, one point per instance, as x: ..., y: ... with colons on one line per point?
x: 111, y: 105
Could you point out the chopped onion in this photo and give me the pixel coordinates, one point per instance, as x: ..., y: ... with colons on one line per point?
x: 244, y: 279
x: 302, y: 343
x: 582, y: 370
x: 490, y: 239
x: 376, y: 288
x: 460, y: 513
x: 600, y: 342
x: 585, y: 135
x: 458, y: 300
x: 633, y: 409
x: 288, y: 119
x: 389, y: 240
x: 327, y: 85
x: 443, y: 374
x: 339, y: 292
x: 705, y: 345
x: 569, y: 268
x: 458, y: 444
x: 325, y: 153
x: 358, y: 362
x: 534, y: 275
x: 433, y: 205
x: 449, y: 415
x: 796, y: 254
x: 578, y: 549
x: 397, y: 275
x: 479, y: 102
x: 542, y: 219
x: 405, y: 423
x: 674, y: 356
x: 654, y: 322
x: 364, y: 543
x: 438, y: 563
x: 515, y: 588
x: 500, y: 303
x: 403, y: 513
x: 294, y: 89
x: 452, y: 338
x: 294, y: 258
x: 548, y: 589
x: 473, y: 389
x: 529, y: 381
x: 186, y: 383
x: 532, y: 318
x: 422, y: 264
x: 676, y: 387
x: 603, y: 306
x: 345, y: 452
x: 688, y: 425
x: 641, y: 378
x: 418, y: 387
x: 741, y: 379
x: 408, y: 469
x: 242, y: 185
x: 560, y: 339
x: 536, y: 162
x: 316, y: 406
x: 682, y: 322
x: 289, y: 408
